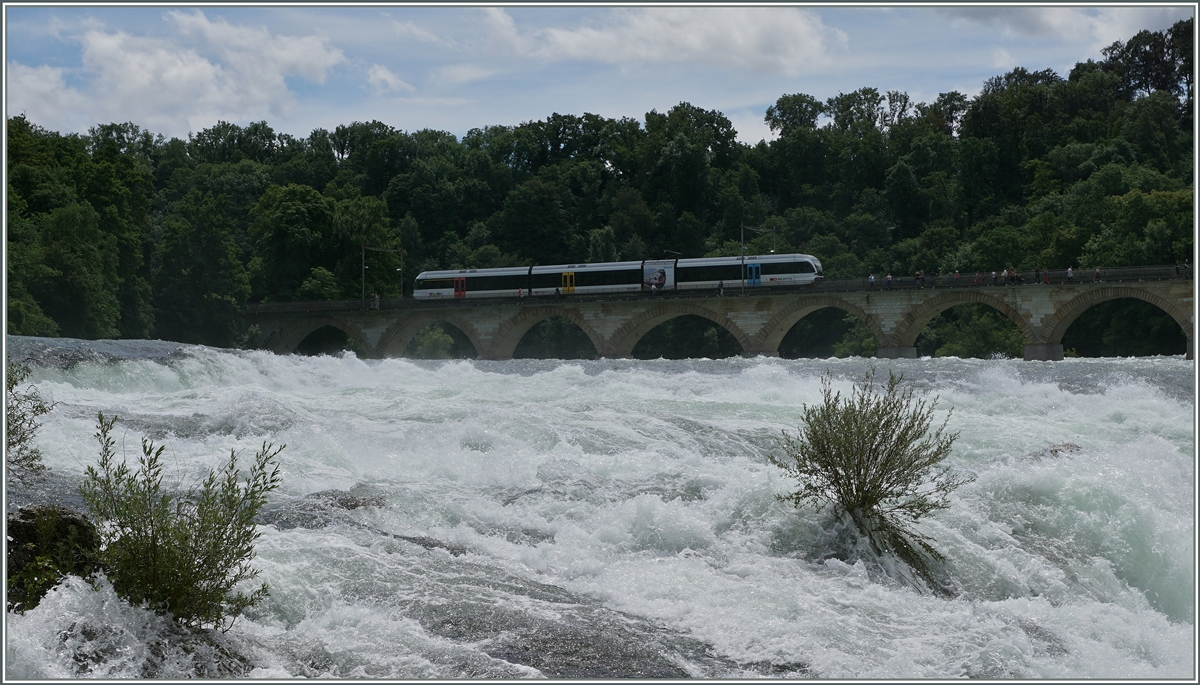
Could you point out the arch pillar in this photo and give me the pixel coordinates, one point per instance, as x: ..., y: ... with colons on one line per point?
x: 896, y: 353
x: 1043, y: 352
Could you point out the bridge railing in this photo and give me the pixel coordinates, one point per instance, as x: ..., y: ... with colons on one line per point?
x: 1123, y: 274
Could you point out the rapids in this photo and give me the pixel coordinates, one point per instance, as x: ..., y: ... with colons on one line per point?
x: 617, y: 518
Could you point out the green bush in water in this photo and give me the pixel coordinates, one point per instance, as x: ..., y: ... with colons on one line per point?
x: 872, y: 458
x: 179, y: 554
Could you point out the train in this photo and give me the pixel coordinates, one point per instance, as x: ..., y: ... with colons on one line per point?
x: 647, y: 276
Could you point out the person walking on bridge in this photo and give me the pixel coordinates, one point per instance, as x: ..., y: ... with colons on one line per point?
x: 887, y: 282
x: 1070, y: 275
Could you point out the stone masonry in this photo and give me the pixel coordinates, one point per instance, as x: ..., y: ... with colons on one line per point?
x: 759, y: 320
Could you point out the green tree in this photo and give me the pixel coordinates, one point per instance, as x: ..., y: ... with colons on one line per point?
x: 78, y: 286
x: 202, y: 286
x: 793, y: 112
x: 293, y: 227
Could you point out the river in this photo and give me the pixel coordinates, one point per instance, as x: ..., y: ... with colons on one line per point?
x: 618, y: 518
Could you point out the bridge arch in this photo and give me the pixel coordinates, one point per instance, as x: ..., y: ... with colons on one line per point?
x: 1056, y: 325
x: 290, y: 337
x: 396, y: 338
x: 625, y: 338
x: 511, y: 331
x: 769, y: 337
x: 909, y: 327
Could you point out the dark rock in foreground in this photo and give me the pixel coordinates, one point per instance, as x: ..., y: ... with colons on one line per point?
x: 46, y: 543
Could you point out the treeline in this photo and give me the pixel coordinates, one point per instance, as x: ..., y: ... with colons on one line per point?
x: 122, y: 233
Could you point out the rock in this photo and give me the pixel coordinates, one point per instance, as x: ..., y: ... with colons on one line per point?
x: 46, y: 543
x: 1053, y: 452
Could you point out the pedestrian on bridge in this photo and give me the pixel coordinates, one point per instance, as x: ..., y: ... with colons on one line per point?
x: 1070, y: 275
x: 994, y: 281
x: 871, y: 278
x: 1037, y: 275
x: 721, y: 288
x: 956, y: 277
x: 887, y: 282
x: 1096, y: 276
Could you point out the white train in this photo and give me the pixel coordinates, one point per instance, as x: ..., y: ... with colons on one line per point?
x: 652, y: 275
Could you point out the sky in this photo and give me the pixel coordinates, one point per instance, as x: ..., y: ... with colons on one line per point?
x: 177, y: 69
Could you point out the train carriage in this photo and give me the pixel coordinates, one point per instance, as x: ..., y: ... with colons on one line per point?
x: 760, y: 270
x: 606, y: 277
x: 617, y: 277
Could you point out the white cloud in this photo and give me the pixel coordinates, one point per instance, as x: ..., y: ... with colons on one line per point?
x: 41, y: 93
x: 408, y: 29
x: 759, y: 39
x: 383, y: 80
x: 1002, y: 60
x: 1097, y: 27
x: 462, y: 73
x: 503, y: 30
x: 750, y: 126
x: 208, y: 71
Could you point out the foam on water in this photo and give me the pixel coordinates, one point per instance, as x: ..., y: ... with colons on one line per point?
x: 529, y: 509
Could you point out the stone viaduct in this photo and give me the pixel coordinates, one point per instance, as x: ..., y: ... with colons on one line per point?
x: 758, y: 319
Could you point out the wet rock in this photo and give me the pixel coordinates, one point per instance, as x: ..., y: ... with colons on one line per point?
x: 46, y: 543
x: 328, y: 507
x: 94, y: 648
x: 320, y: 509
x: 1053, y: 452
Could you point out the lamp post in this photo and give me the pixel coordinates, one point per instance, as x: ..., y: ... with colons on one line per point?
x: 364, y: 270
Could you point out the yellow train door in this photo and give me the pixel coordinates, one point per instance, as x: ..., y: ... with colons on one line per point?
x: 568, y: 282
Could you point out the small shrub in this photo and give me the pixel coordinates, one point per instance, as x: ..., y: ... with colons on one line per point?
x: 872, y: 458
x: 21, y: 412
x: 179, y: 554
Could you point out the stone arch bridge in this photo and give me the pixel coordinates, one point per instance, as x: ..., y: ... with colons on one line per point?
x: 759, y: 319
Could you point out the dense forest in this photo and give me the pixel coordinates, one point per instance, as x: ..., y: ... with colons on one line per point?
x: 121, y: 233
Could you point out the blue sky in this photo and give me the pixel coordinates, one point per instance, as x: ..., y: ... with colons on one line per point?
x: 175, y: 69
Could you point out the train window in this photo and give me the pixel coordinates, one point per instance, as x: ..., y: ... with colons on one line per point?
x: 511, y: 282
x: 612, y: 277
x: 800, y: 267
x: 723, y: 272
x: 434, y: 284
x: 550, y: 280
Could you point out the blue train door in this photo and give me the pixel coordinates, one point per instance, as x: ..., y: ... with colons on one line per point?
x: 754, y: 274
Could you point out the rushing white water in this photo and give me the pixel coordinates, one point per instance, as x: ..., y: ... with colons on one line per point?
x: 618, y: 518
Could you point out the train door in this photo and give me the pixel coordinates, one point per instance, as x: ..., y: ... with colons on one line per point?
x: 460, y: 286
x: 754, y: 274
x: 568, y: 282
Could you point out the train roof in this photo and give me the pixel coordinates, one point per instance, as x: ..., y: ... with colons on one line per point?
x: 452, y: 273
x: 757, y: 259
x: 598, y: 266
